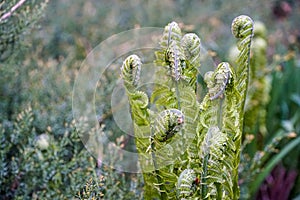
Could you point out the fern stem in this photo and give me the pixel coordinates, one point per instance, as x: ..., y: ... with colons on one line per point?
x: 220, y: 114
x: 242, y: 29
x: 219, y: 191
x: 156, y: 171
x: 204, y: 175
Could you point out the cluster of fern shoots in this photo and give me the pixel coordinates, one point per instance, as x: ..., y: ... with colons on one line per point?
x: 190, y: 149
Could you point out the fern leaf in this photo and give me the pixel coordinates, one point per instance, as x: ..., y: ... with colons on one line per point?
x: 186, y: 185
x: 131, y: 70
x: 242, y: 29
x: 191, y: 44
x: 213, y: 153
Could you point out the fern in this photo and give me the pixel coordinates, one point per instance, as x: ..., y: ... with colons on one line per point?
x: 242, y: 29
x: 191, y: 45
x: 187, y: 183
x: 216, y: 175
x: 257, y: 97
x: 190, y: 149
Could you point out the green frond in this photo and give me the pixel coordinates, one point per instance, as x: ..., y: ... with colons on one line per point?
x: 186, y: 185
x: 164, y: 97
x: 191, y: 111
x: 242, y: 29
x: 221, y: 77
x: 166, y: 124
x: 131, y: 70
x: 175, y: 60
x: 214, y: 154
x: 188, y: 139
x: 172, y: 32
x: 191, y: 45
x: 258, y: 93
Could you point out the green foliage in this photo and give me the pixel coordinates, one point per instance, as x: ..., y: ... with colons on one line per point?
x: 187, y: 182
x: 110, y: 184
x: 207, y: 135
x: 39, y: 165
x: 16, y: 18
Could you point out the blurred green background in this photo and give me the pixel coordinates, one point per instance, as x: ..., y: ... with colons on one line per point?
x: 37, y: 79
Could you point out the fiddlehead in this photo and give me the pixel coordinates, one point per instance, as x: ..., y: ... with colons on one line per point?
x: 214, y: 126
x: 172, y: 33
x: 217, y: 147
x: 242, y: 29
x: 131, y: 70
x: 170, y: 61
x: 175, y: 60
x: 187, y: 183
x: 166, y: 125
x: 191, y: 44
x: 218, y: 80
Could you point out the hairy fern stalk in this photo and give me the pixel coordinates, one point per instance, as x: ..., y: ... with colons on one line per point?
x: 190, y: 149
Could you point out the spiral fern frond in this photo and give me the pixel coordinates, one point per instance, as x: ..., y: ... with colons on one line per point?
x: 187, y: 183
x: 258, y: 94
x: 219, y: 81
x: 181, y: 139
x: 191, y: 44
x: 167, y: 124
x: 131, y: 70
x: 175, y: 60
x: 172, y: 32
x: 242, y: 29
x: 130, y: 73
